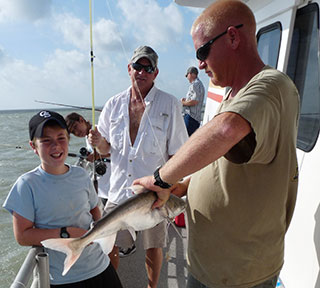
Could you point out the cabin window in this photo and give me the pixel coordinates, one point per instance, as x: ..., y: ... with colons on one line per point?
x: 269, y: 39
x: 303, y: 68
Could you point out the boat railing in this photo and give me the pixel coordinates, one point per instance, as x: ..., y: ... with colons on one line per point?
x: 36, y: 263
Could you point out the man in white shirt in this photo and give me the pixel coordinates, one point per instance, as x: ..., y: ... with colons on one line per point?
x: 142, y: 127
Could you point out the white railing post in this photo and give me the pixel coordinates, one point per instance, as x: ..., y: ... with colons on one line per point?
x: 43, y: 270
x: 35, y: 260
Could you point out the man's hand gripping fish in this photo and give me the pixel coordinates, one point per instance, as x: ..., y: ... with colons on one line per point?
x: 135, y: 214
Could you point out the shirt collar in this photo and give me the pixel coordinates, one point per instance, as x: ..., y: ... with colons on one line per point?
x: 150, y: 96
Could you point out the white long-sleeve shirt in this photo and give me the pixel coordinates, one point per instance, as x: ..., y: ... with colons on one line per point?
x: 161, y: 133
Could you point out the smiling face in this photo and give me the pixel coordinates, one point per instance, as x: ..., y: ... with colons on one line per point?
x: 52, y: 149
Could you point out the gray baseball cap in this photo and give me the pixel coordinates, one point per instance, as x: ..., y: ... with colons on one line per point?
x: 145, y: 52
x: 192, y: 70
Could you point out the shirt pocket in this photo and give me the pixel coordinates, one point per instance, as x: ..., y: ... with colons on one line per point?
x: 156, y: 136
x: 116, y: 133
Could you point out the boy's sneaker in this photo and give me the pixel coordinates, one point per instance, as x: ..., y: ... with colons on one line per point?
x: 127, y: 252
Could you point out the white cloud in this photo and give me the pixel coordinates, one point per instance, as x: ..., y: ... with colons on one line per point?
x: 77, y: 33
x: 64, y: 78
x: 73, y: 29
x: 150, y: 23
x: 106, y: 35
x: 28, y: 10
x: 196, y: 11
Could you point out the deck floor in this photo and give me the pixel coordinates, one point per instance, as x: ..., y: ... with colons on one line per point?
x: 173, y: 272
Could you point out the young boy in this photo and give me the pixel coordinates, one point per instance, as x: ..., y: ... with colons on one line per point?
x: 57, y: 200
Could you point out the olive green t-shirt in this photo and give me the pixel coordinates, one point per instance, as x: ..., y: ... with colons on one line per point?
x: 240, y: 206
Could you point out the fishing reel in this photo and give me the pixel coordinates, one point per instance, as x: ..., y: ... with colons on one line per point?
x: 84, y: 152
x: 100, y: 167
x: 99, y: 164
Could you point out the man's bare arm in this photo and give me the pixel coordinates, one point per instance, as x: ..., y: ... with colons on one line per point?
x: 206, y: 145
x: 189, y: 102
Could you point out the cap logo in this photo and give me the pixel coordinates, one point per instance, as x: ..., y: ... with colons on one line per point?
x: 44, y: 114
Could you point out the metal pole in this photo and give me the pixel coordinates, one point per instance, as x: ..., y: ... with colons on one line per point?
x: 26, y: 269
x: 43, y: 270
x: 35, y: 280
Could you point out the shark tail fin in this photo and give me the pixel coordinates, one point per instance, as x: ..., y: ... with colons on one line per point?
x: 66, y: 246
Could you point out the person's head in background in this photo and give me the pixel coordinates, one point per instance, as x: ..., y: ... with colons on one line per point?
x: 192, y: 74
x: 77, y: 125
x: 49, y: 139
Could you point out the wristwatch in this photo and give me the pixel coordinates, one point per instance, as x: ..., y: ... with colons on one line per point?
x: 64, y: 233
x: 159, y: 181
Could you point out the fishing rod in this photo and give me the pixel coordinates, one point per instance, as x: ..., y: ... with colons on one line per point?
x: 66, y: 105
x: 95, y: 180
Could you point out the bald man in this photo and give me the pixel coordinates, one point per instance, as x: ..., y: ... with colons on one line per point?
x: 242, y: 191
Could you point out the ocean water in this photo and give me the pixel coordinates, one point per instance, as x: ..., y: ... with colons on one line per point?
x: 16, y: 158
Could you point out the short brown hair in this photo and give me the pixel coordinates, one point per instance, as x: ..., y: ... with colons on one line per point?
x: 72, y: 118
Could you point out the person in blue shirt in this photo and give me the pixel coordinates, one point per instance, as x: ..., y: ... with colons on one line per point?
x: 58, y: 200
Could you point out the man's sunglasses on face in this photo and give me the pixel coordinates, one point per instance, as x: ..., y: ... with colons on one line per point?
x: 148, y: 68
x: 203, y: 52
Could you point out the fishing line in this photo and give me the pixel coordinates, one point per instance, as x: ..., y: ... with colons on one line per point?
x: 170, y: 222
x: 137, y: 88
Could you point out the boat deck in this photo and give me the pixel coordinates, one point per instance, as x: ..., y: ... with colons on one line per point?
x: 132, y: 270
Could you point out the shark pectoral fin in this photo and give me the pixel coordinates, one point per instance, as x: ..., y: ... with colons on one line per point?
x: 106, y: 243
x: 73, y: 252
x: 133, y: 233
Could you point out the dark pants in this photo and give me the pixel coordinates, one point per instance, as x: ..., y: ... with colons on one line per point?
x: 191, y: 124
x: 108, y: 278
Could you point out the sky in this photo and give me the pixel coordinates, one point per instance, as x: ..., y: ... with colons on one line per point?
x: 45, y: 49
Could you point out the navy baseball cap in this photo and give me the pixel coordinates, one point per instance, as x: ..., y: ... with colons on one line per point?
x: 38, y: 121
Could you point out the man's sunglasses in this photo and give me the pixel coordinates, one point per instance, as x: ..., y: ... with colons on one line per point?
x: 148, y: 68
x: 203, y: 52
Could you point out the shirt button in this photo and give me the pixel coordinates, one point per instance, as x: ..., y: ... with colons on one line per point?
x: 130, y: 160
x: 129, y: 175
